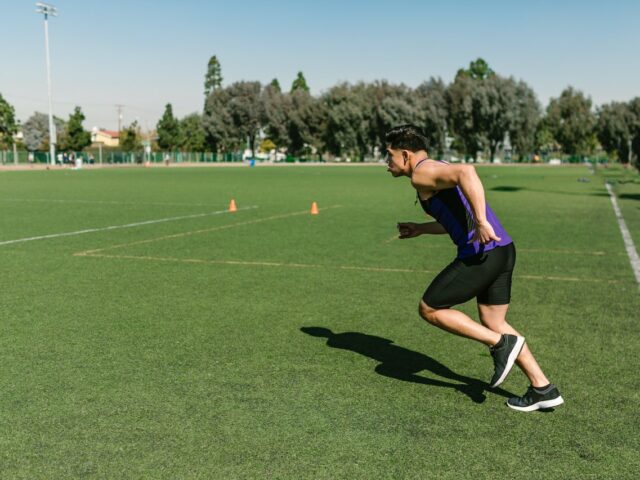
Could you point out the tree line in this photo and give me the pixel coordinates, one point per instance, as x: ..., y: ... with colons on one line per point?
x: 480, y: 111
x: 70, y: 134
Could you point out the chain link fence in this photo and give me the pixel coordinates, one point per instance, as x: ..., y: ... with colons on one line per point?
x: 112, y: 156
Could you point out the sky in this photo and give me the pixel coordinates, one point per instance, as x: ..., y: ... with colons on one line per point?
x: 143, y: 54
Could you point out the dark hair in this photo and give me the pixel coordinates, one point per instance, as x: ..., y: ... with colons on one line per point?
x: 406, y: 137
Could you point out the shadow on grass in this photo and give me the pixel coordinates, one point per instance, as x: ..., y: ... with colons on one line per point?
x: 630, y: 196
x: 403, y: 364
x: 508, y: 188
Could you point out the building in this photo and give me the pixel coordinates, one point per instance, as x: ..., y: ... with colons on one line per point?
x: 108, y: 138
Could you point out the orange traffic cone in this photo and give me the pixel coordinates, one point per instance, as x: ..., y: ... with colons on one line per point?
x: 314, y: 208
x: 232, y: 206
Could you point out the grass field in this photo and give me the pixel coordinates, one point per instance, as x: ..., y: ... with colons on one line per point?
x: 269, y: 343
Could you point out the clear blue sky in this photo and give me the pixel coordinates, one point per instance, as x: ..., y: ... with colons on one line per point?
x: 143, y: 54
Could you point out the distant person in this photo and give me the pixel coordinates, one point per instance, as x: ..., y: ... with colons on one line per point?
x: 30, y: 159
x: 91, y: 160
x: 482, y: 269
x: 167, y: 159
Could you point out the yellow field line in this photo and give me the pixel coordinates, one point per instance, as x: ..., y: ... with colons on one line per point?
x: 329, y: 267
x: 572, y: 252
x: 395, y: 237
x: 195, y: 232
x: 597, y: 253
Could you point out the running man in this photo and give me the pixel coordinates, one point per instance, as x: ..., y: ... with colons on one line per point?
x: 454, y: 196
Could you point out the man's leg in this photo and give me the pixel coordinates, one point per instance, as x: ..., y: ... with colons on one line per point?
x: 494, y: 318
x: 457, y: 322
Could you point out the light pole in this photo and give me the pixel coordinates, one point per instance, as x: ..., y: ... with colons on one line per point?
x: 47, y: 10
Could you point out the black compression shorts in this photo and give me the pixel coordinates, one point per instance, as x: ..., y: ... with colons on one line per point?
x: 486, y: 276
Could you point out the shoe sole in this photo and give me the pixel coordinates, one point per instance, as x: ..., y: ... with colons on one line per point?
x: 554, y: 402
x: 510, y: 361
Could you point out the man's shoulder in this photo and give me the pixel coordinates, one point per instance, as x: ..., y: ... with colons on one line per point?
x: 423, y: 178
x: 422, y: 187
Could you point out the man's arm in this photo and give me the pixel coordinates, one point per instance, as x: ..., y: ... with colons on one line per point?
x: 410, y: 229
x: 436, y: 177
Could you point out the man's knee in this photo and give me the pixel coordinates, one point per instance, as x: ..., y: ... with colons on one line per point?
x: 428, y: 313
x: 493, y: 320
x: 495, y: 324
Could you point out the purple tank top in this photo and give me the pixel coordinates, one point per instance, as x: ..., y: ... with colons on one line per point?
x: 451, y: 209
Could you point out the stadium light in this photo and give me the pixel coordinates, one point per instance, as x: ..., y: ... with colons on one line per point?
x: 47, y: 10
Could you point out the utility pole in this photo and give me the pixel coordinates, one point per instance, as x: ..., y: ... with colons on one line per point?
x: 119, y: 107
x: 47, y: 10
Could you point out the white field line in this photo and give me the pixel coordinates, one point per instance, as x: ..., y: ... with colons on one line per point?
x: 317, y: 266
x: 102, y: 202
x: 634, y: 260
x: 195, y: 232
x: 115, y: 227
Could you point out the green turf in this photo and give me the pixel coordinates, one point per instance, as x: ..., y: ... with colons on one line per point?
x: 626, y: 184
x: 193, y: 354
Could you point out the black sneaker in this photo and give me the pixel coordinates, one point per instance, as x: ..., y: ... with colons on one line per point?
x: 504, y: 355
x: 536, y: 399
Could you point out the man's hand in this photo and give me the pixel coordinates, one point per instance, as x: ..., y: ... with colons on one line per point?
x: 409, y: 229
x: 484, y: 233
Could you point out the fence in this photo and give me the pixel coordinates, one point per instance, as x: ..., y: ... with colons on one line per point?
x: 7, y: 157
x: 109, y: 156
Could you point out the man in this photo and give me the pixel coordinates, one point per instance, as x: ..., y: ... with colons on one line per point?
x: 454, y: 196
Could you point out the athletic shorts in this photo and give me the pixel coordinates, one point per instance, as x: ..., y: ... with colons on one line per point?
x: 486, y: 276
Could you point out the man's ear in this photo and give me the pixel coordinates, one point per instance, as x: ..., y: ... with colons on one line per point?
x: 405, y: 156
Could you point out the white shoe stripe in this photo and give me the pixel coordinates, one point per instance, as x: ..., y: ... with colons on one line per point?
x: 510, y: 361
x: 554, y: 402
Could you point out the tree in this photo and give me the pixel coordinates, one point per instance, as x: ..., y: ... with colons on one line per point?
x: 130, y: 138
x: 386, y: 105
x: 36, y: 131
x: 463, y: 122
x: 634, y: 108
x: 347, y: 125
x: 267, y: 145
x: 276, y: 85
x: 391, y: 105
x: 494, y: 103
x: 571, y: 121
x: 275, y: 114
x: 432, y: 102
x: 8, y: 126
x: 168, y: 130
x: 484, y: 107
x: 615, y: 129
x: 305, y: 121
x: 527, y: 115
x: 245, y: 111
x: 217, y: 123
x: 213, y: 77
x: 544, y: 142
x: 192, y: 133
x: 478, y: 69
x: 76, y: 138
x: 300, y: 83
x: 505, y: 106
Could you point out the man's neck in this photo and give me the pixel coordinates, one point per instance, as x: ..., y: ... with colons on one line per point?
x: 415, y: 159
